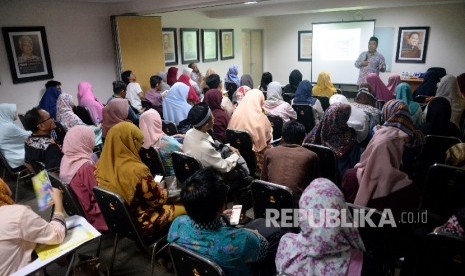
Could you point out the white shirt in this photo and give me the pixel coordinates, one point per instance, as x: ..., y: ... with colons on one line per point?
x: 132, y: 92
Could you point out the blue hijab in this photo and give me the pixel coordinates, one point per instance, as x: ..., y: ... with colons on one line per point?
x: 232, y: 77
x: 49, y: 101
x: 303, y: 94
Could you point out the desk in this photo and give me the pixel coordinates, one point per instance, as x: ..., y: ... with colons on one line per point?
x: 414, y: 82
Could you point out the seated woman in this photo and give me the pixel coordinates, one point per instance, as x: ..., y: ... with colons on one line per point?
x: 323, y: 86
x: 303, y: 95
x: 192, y: 97
x: 404, y: 93
x: 22, y: 229
x: 393, y: 82
x: 295, y: 77
x: 231, y: 81
x: 121, y: 171
x: 116, y: 111
x: 12, y: 137
x: 151, y: 126
x: 449, y: 88
x: 438, y: 119
x: 324, y: 250
x: 171, y: 76
x: 246, y: 80
x: 428, y: 87
x: 333, y: 132
x: 367, y: 102
x: 379, y: 88
x: 240, y: 93
x: 175, y: 106
x: 213, y: 98
x: 87, y: 99
x: 275, y: 105
x: 48, y: 102
x: 77, y: 169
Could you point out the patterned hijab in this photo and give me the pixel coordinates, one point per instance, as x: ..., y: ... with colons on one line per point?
x: 429, y: 85
x: 232, y: 77
x: 151, y: 126
x: 117, y: 110
x: 49, y: 101
x: 172, y: 76
x: 393, y: 81
x: 240, y: 93
x: 320, y: 250
x: 378, y: 86
x: 303, y: 94
x: 323, y: 86
x: 404, y: 93
x: 5, y: 194
x: 65, y: 114
x: 86, y: 98
x: 120, y: 168
x: 274, y: 95
x: 332, y: 131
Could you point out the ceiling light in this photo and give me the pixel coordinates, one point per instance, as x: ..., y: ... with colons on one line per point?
x: 250, y: 2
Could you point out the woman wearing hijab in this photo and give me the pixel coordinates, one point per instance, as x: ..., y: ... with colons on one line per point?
x: 438, y: 119
x: 366, y: 102
x: 87, y: 99
x: 303, y: 95
x: 247, y: 80
x: 175, y: 106
x: 189, y: 72
x: 49, y: 101
x: 324, y: 87
x: 240, y: 93
x: 393, y: 82
x: 77, y: 170
x: 295, y: 77
x: 322, y: 250
x: 249, y: 117
x: 333, y: 132
x: 121, y: 171
x: 12, y: 137
x: 213, y: 98
x: 192, y: 96
x: 232, y: 81
x: 379, y: 88
x: 172, y: 76
x: 275, y: 105
x: 404, y: 93
x: 203, y: 84
x: 449, y: 88
x: 151, y: 126
x: 116, y: 111
x: 428, y: 87
x: 266, y: 79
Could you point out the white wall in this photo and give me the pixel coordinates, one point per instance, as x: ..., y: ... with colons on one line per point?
x: 445, y: 46
x: 80, y: 44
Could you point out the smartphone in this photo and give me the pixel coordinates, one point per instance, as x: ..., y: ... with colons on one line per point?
x: 158, y: 178
x: 235, y: 215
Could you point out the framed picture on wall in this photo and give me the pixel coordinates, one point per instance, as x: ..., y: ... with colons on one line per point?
x: 305, y: 45
x: 170, y: 46
x: 227, y: 44
x: 189, y: 45
x: 412, y: 43
x: 209, y: 45
x: 27, y: 52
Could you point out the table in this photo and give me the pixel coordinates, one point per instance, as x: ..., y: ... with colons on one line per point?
x: 414, y: 82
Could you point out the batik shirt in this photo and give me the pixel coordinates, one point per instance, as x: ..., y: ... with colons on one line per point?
x: 374, y: 61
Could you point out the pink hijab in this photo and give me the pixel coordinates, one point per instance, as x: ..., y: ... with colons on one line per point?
x: 381, y: 91
x: 77, y: 150
x: 393, y: 81
x: 117, y: 110
x: 151, y: 126
x: 86, y: 98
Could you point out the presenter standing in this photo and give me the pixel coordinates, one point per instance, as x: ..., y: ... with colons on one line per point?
x: 370, y: 61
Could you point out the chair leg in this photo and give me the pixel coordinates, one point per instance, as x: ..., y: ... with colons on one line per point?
x: 17, y: 187
x: 97, y: 254
x: 115, y: 244
x: 70, y: 265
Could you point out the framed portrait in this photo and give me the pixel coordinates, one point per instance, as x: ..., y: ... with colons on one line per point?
x: 305, y: 45
x: 227, y: 44
x: 412, y: 43
x: 170, y: 46
x: 189, y: 45
x: 209, y: 45
x: 27, y: 52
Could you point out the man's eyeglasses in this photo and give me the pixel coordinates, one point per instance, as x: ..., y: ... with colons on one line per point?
x: 43, y: 121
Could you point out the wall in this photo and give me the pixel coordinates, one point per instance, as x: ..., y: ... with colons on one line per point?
x: 445, y: 46
x: 80, y: 44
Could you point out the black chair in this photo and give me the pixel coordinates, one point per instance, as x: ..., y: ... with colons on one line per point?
x: 287, y: 97
x: 22, y: 119
x: 184, y: 165
x: 328, y: 162
x: 146, y: 104
x: 70, y: 201
x: 151, y: 157
x: 119, y: 220
x: 267, y: 195
x: 305, y: 116
x: 241, y: 140
x: 277, y: 125
x: 187, y: 262
x: 324, y: 101
x: 84, y: 114
x: 169, y: 128
x: 21, y: 172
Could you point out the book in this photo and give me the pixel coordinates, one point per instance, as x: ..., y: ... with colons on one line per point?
x: 42, y: 188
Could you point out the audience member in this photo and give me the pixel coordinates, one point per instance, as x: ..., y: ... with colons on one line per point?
x: 266, y: 79
x: 428, y: 87
x: 134, y: 92
x: 455, y: 155
x: 366, y: 102
x: 232, y: 81
x: 12, y: 137
x: 449, y: 88
x: 172, y: 76
x: 87, y: 99
x: 379, y: 88
x: 164, y: 84
x: 192, y: 97
x: 246, y: 80
x: 119, y: 92
x: 114, y: 112
x: 154, y: 95
x: 213, y: 98
x: 48, y: 102
x: 240, y: 93
x: 404, y: 93
x: 175, y: 106
x: 303, y: 95
x: 275, y: 105
x: 295, y: 77
x: 393, y: 82
x: 65, y: 115
x: 324, y: 86
x: 195, y: 75
x: 53, y: 83
x: 204, y: 85
x: 188, y: 71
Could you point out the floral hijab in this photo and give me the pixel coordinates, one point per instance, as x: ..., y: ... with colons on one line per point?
x: 65, y: 113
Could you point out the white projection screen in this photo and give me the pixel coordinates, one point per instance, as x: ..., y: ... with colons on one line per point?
x: 336, y: 46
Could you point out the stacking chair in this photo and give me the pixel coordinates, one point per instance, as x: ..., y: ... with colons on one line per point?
x: 187, y: 262
x: 184, y: 165
x: 84, y: 114
x: 267, y: 195
x: 324, y: 101
x: 169, y: 128
x: 151, y: 157
x: 277, y: 125
x: 241, y: 140
x: 328, y: 162
x: 21, y: 172
x: 70, y: 201
x: 305, y: 116
x: 119, y: 220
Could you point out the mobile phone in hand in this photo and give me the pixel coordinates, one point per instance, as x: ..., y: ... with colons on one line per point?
x: 235, y: 215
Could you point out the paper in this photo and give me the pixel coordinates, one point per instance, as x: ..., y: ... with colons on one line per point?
x: 42, y: 187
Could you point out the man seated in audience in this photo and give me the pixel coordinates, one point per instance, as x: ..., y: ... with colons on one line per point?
x: 40, y: 146
x: 134, y: 91
x: 205, y: 230
x: 119, y: 91
x: 290, y: 164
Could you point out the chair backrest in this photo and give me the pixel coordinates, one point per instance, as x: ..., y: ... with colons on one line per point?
x: 169, y: 128
x: 22, y: 119
x: 287, y: 97
x: 328, y: 162
x: 4, y: 163
x: 184, y: 165
x: 241, y: 140
x: 444, y: 191
x: 267, y: 195
x: 187, y: 262
x: 324, y: 101
x: 83, y: 114
x: 277, y: 125
x: 70, y: 201
x: 305, y: 115
x: 146, y: 104
x: 151, y: 157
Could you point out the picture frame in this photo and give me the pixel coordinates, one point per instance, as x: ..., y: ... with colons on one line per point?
x: 28, y: 55
x: 412, y: 43
x: 305, y: 45
x: 189, y: 45
x: 209, y: 45
x: 227, y: 43
x: 170, y: 46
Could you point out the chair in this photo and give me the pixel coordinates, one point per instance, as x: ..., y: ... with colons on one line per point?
x: 119, y: 220
x: 151, y: 157
x: 305, y: 116
x: 287, y: 97
x: 169, y: 128
x: 146, y: 104
x: 22, y: 119
x: 84, y: 114
x: 184, y: 165
x: 324, y: 101
x: 328, y: 162
x: 277, y: 125
x: 267, y: 195
x: 187, y: 262
x: 21, y: 172
x: 241, y: 140
x: 70, y: 201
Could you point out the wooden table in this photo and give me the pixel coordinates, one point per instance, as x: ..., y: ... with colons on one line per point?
x: 414, y: 82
